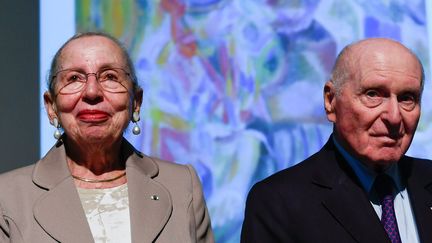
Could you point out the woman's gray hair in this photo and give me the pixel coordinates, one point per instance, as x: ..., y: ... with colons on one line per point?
x: 55, y: 61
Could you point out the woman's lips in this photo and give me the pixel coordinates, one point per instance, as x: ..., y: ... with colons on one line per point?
x: 92, y: 116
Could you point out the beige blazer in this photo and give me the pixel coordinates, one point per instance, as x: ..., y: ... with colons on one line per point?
x: 39, y: 203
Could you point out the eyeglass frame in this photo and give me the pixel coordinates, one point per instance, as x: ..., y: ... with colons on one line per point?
x: 96, y: 74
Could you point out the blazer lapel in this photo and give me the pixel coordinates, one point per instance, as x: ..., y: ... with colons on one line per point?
x: 345, y: 199
x: 150, y: 203
x: 349, y: 205
x: 61, y: 215
x: 59, y: 211
x: 419, y: 186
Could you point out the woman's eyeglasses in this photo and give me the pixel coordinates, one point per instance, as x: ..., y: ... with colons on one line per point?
x: 111, y: 80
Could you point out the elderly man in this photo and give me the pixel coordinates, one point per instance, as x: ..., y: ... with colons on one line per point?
x: 360, y: 187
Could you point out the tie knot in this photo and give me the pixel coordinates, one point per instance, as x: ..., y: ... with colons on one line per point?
x: 384, y: 186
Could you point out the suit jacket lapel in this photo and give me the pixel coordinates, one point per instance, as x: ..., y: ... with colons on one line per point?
x: 345, y: 199
x: 150, y: 203
x: 419, y: 186
x: 349, y: 205
x: 59, y: 211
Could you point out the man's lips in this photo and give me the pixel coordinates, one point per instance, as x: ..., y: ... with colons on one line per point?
x: 394, y: 136
x: 92, y: 116
x: 389, y: 140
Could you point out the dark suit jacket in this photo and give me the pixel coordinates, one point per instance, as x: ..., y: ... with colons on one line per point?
x: 40, y: 203
x: 321, y: 200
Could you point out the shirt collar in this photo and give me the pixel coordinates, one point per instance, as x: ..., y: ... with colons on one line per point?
x: 365, y: 174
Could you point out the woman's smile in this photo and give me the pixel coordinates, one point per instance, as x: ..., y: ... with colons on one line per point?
x: 93, y: 116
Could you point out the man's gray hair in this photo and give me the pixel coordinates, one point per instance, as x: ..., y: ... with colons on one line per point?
x: 344, y: 68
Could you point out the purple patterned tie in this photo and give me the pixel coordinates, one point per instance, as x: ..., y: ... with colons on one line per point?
x: 384, y: 187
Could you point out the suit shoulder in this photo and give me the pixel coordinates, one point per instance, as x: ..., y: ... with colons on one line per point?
x: 16, y: 185
x: 421, y: 166
x: 23, y: 173
x: 171, y: 172
x: 424, y: 163
x: 295, y: 174
x: 166, y: 166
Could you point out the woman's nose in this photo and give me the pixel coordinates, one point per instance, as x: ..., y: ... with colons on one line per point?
x: 92, y: 87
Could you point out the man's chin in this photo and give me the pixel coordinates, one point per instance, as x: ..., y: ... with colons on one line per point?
x: 383, y: 161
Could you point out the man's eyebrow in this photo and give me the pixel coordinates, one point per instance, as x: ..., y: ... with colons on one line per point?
x: 368, y: 86
x: 410, y: 90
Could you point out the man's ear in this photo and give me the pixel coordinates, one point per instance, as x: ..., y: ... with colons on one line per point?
x: 330, y: 100
x: 50, y: 106
x: 138, y: 96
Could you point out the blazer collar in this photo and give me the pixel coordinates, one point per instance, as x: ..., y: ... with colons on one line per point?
x: 52, y: 168
x: 59, y: 211
x: 150, y: 202
x: 344, y: 197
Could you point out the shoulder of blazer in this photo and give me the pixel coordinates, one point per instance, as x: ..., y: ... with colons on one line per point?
x: 417, y: 169
x: 10, y: 178
x: 14, y: 187
x: 321, y: 168
x: 173, y: 175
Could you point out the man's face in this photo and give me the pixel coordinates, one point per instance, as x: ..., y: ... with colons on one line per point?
x: 376, y: 113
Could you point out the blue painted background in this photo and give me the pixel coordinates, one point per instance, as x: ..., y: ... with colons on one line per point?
x: 234, y: 87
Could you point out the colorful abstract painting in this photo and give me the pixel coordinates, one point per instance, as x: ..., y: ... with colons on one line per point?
x: 234, y: 87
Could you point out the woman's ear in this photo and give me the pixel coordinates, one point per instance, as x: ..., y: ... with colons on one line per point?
x: 137, y: 100
x: 330, y: 100
x: 138, y: 96
x: 50, y: 106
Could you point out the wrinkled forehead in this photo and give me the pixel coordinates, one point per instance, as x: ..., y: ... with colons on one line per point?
x: 385, y: 60
x: 91, y: 52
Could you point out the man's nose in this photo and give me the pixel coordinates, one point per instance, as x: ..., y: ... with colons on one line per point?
x: 392, y: 113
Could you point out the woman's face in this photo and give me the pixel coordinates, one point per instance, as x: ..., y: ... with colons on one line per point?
x: 93, y: 114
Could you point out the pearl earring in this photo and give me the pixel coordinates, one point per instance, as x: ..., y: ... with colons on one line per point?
x: 57, y: 133
x: 135, y: 118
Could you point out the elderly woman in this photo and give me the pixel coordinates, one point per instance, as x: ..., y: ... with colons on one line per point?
x: 93, y: 186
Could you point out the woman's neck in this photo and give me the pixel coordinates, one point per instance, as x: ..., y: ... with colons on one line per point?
x: 96, y: 165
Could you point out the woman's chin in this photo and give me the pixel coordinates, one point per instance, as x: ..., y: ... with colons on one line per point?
x: 98, y: 135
